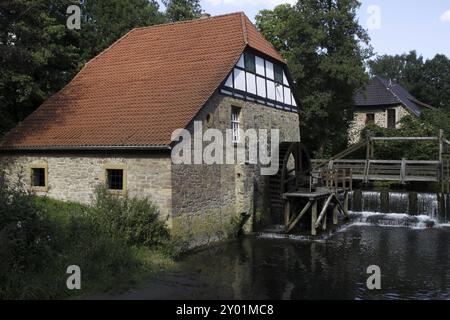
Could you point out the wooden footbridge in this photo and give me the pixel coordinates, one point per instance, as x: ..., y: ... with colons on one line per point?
x: 401, y: 170
x: 303, y: 186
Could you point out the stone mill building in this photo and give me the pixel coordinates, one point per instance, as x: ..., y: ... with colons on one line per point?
x: 113, y: 123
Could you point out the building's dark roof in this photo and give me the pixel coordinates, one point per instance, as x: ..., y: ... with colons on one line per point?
x: 380, y: 92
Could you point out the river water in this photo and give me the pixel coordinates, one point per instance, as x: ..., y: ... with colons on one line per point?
x: 411, y: 250
x: 414, y: 261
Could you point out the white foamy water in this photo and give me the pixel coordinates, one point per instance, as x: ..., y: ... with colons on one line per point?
x: 427, y: 204
x: 393, y: 220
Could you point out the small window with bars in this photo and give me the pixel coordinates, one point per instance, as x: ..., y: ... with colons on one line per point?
x: 39, y: 177
x: 235, y: 115
x: 115, y: 179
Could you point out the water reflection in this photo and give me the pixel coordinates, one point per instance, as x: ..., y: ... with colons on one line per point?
x: 415, y: 264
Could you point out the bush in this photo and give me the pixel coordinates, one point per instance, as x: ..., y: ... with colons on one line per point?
x: 26, y: 241
x: 117, y: 242
x: 132, y: 219
x: 428, y: 124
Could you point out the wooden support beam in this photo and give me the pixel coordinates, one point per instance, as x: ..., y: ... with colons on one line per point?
x: 341, y: 207
x: 294, y: 222
x: 313, y: 217
x: 366, y: 170
x: 345, y: 203
x: 372, y: 150
x: 403, y: 171
x: 287, y: 212
x: 324, y: 210
x: 335, y: 214
x: 324, y: 224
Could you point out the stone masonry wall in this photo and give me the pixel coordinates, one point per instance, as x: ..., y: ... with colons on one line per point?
x: 209, y: 201
x: 359, y: 120
x: 74, y: 177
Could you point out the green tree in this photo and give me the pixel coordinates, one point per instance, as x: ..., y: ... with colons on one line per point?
x: 405, y: 69
x: 180, y: 10
x: 435, y: 88
x: 104, y: 22
x: 38, y: 55
x: 428, y: 81
x: 326, y: 49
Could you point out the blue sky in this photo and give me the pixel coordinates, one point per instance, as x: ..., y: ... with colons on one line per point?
x: 403, y: 25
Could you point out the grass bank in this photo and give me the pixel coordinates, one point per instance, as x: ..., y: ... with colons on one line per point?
x: 117, y: 242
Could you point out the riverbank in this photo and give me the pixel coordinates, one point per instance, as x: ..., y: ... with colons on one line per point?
x: 414, y: 264
x: 41, y: 238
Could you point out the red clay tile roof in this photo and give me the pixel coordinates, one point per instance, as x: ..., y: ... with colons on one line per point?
x: 147, y: 84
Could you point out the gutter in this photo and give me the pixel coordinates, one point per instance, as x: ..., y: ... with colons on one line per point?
x: 89, y: 148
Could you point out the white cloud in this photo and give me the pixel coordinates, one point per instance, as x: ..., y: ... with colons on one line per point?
x: 214, y: 2
x: 254, y: 3
x: 446, y: 16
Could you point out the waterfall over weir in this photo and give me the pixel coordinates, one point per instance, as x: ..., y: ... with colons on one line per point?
x: 407, y: 209
x: 381, y: 208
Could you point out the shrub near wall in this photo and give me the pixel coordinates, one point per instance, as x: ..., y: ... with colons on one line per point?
x: 117, y: 242
x: 134, y: 220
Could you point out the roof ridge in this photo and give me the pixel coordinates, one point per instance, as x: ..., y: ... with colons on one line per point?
x: 249, y: 25
x: 188, y: 21
x: 387, y: 88
x: 100, y: 54
x: 244, y: 28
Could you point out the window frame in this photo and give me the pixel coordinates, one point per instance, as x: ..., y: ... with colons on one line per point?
x: 278, y: 67
x: 235, y: 124
x: 250, y: 62
x: 115, y: 166
x: 367, y: 121
x: 388, y: 124
x: 41, y: 166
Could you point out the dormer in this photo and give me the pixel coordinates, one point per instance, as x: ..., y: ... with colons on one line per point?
x: 260, y: 79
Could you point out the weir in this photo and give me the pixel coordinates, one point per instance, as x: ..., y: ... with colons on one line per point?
x: 376, y: 208
x: 433, y: 205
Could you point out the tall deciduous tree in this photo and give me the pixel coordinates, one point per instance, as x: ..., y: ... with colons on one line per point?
x: 436, y: 82
x: 105, y: 21
x: 180, y: 10
x: 39, y: 54
x: 326, y: 49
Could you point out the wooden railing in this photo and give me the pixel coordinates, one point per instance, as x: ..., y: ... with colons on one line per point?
x: 391, y: 170
x: 385, y: 170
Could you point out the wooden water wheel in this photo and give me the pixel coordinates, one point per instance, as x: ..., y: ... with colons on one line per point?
x: 293, y: 174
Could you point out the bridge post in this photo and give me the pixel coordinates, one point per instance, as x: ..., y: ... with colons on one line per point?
x: 403, y: 171
x: 287, y: 212
x: 346, y: 203
x: 335, y: 214
x: 441, y: 162
x: 368, y: 142
x: 313, y: 217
